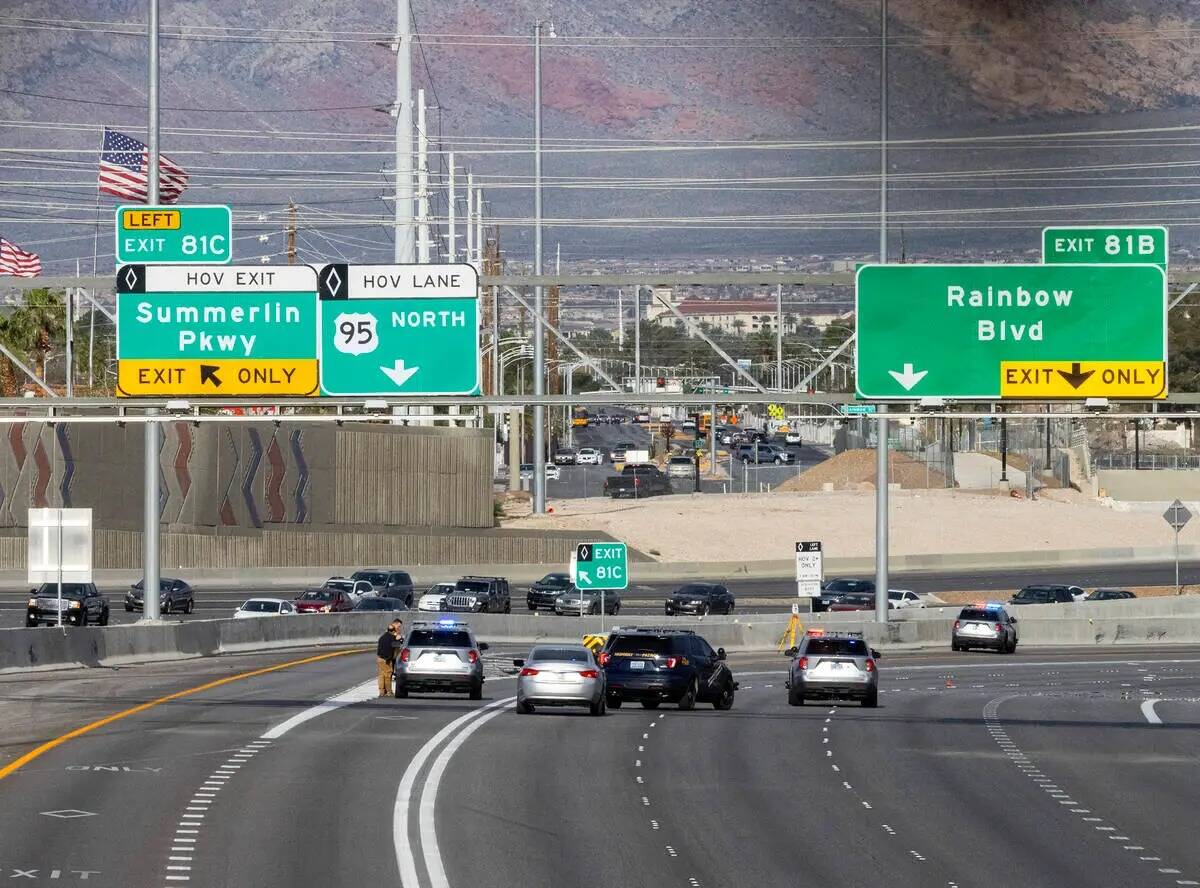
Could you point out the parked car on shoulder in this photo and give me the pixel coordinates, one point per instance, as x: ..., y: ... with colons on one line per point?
x: 264, y: 607
x: 82, y: 603
x: 479, y: 595
x: 389, y: 583
x: 560, y: 675
x: 324, y: 601
x: 440, y: 656
x: 985, y: 625
x: 654, y: 665
x: 434, y: 598
x: 1109, y: 595
x: 173, y: 596
x: 1048, y: 594
x: 833, y: 665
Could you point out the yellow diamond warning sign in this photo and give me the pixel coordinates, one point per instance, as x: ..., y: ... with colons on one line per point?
x: 216, y: 378
x: 1139, y: 380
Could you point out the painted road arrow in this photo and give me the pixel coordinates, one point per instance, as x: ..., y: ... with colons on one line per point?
x: 208, y: 373
x: 908, y: 378
x: 1076, y: 378
x: 398, y: 373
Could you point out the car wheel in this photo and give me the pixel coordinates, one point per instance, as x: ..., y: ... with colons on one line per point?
x: 795, y: 697
x: 508, y: 607
x: 477, y: 691
x: 401, y: 691
x: 532, y: 609
x: 871, y: 700
x: 688, y: 701
x: 167, y: 608
x: 103, y: 621
x: 191, y: 606
x: 524, y: 708
x: 598, y: 708
x: 724, y: 702
x: 129, y: 608
x: 30, y: 624
x: 650, y: 704
x: 616, y: 608
x: 668, y: 612
x: 704, y: 610
x: 955, y: 646
x: 778, y: 461
x: 615, y: 703
x: 729, y: 610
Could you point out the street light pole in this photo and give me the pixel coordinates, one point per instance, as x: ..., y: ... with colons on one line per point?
x: 881, y: 445
x: 539, y: 333
x: 150, y: 430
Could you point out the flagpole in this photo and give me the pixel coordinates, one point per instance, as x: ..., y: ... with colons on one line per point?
x: 152, y: 97
x: 95, y: 253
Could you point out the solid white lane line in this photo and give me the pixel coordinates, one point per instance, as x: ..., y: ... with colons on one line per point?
x: 428, y: 829
x: 405, y: 858
x: 1149, y: 713
x: 357, y: 694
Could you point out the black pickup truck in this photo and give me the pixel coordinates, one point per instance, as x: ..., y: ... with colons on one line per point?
x: 637, y: 481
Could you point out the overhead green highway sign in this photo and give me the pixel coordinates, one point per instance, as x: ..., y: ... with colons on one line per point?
x: 391, y: 330
x: 236, y: 330
x: 1105, y: 244
x: 188, y: 235
x: 1011, y: 331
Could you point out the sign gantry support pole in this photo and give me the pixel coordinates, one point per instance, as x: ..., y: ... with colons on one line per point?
x: 539, y: 333
x: 150, y: 430
x: 881, y: 445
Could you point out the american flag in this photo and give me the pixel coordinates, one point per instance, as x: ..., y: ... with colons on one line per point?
x: 14, y: 260
x: 124, y: 170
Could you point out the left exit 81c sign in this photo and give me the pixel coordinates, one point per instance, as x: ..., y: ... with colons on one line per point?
x: 191, y: 235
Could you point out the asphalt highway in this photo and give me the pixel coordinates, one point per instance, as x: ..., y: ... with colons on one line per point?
x: 645, y: 598
x: 1042, y: 768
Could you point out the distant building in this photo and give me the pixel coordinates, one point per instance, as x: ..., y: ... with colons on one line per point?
x: 748, y: 315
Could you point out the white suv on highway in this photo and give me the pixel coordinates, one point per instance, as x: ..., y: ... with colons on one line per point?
x: 589, y: 456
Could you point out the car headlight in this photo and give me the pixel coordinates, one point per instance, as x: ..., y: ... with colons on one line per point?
x: 326, y: 609
x: 74, y: 605
x: 33, y: 602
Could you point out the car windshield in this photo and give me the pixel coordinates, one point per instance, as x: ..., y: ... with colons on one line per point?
x: 1035, y: 593
x: 635, y: 645
x: 846, y: 586
x: 694, y: 589
x: 440, y: 589
x: 340, y: 585
x: 375, y: 578
x: 681, y: 460
x: 261, y: 607
x: 555, y: 580
x: 163, y: 584
x: 570, y: 655
x: 317, y: 595
x: 836, y: 647
x: 69, y: 590
x: 859, y: 598
x: 439, y: 638
x: 978, y: 613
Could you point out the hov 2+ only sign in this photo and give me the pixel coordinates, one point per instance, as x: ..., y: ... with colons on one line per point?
x: 1011, y: 331
x: 600, y: 566
x: 399, y: 330
x: 190, y: 235
x: 195, y: 331
x: 810, y: 569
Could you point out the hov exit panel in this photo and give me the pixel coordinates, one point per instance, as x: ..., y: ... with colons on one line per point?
x: 1138, y: 380
x: 217, y: 378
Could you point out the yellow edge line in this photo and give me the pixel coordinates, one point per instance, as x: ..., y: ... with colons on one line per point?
x: 142, y: 707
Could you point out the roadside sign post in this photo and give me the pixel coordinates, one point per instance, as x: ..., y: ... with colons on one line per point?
x: 1029, y: 332
x: 200, y: 331
x: 1105, y: 244
x: 600, y: 566
x: 60, y: 548
x: 1177, y: 515
x: 184, y: 235
x: 810, y: 571
x: 389, y: 330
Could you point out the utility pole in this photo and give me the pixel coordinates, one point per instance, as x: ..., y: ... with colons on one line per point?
x: 779, y: 336
x: 423, y: 243
x: 150, y: 430
x: 479, y: 239
x: 881, y: 445
x: 470, y: 225
x: 291, y: 233
x: 403, y: 226
x: 539, y: 333
x: 495, y: 269
x: 620, y: 321
x: 451, y: 252
x: 637, y: 338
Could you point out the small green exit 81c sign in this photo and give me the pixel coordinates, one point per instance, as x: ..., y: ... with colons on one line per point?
x: 600, y: 566
x: 1078, y: 244
x: 189, y: 235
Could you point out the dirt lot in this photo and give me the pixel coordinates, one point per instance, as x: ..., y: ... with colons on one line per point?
x: 710, y: 527
x: 855, y: 470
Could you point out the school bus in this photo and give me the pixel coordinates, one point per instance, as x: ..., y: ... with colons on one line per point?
x: 579, y: 417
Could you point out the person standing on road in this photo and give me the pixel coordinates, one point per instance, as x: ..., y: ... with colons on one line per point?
x: 385, y: 656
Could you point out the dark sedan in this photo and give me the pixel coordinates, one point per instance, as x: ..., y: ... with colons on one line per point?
x: 835, y: 589
x: 854, y: 601
x: 544, y: 592
x: 1110, y: 595
x: 174, y: 596
x: 701, y: 599
x: 380, y: 603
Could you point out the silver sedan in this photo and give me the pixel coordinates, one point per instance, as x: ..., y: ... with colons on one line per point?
x: 560, y: 675
x: 569, y: 605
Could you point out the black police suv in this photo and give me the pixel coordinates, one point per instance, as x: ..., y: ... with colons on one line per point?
x: 660, y: 665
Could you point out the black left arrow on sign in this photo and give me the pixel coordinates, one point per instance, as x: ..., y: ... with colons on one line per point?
x: 208, y: 373
x: 1075, y: 377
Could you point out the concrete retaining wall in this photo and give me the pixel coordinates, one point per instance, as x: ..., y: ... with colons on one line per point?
x: 24, y: 649
x: 1160, y: 485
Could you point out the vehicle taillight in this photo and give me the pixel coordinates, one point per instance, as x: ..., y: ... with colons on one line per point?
x: 998, y: 629
x: 604, y: 658
x: 671, y: 661
x: 404, y: 655
x: 802, y: 663
x: 870, y: 665
x: 472, y: 657
x: 589, y: 673
x: 957, y: 624
x: 528, y: 671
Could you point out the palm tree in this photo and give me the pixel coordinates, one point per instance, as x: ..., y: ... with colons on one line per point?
x: 29, y: 331
x: 739, y: 325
